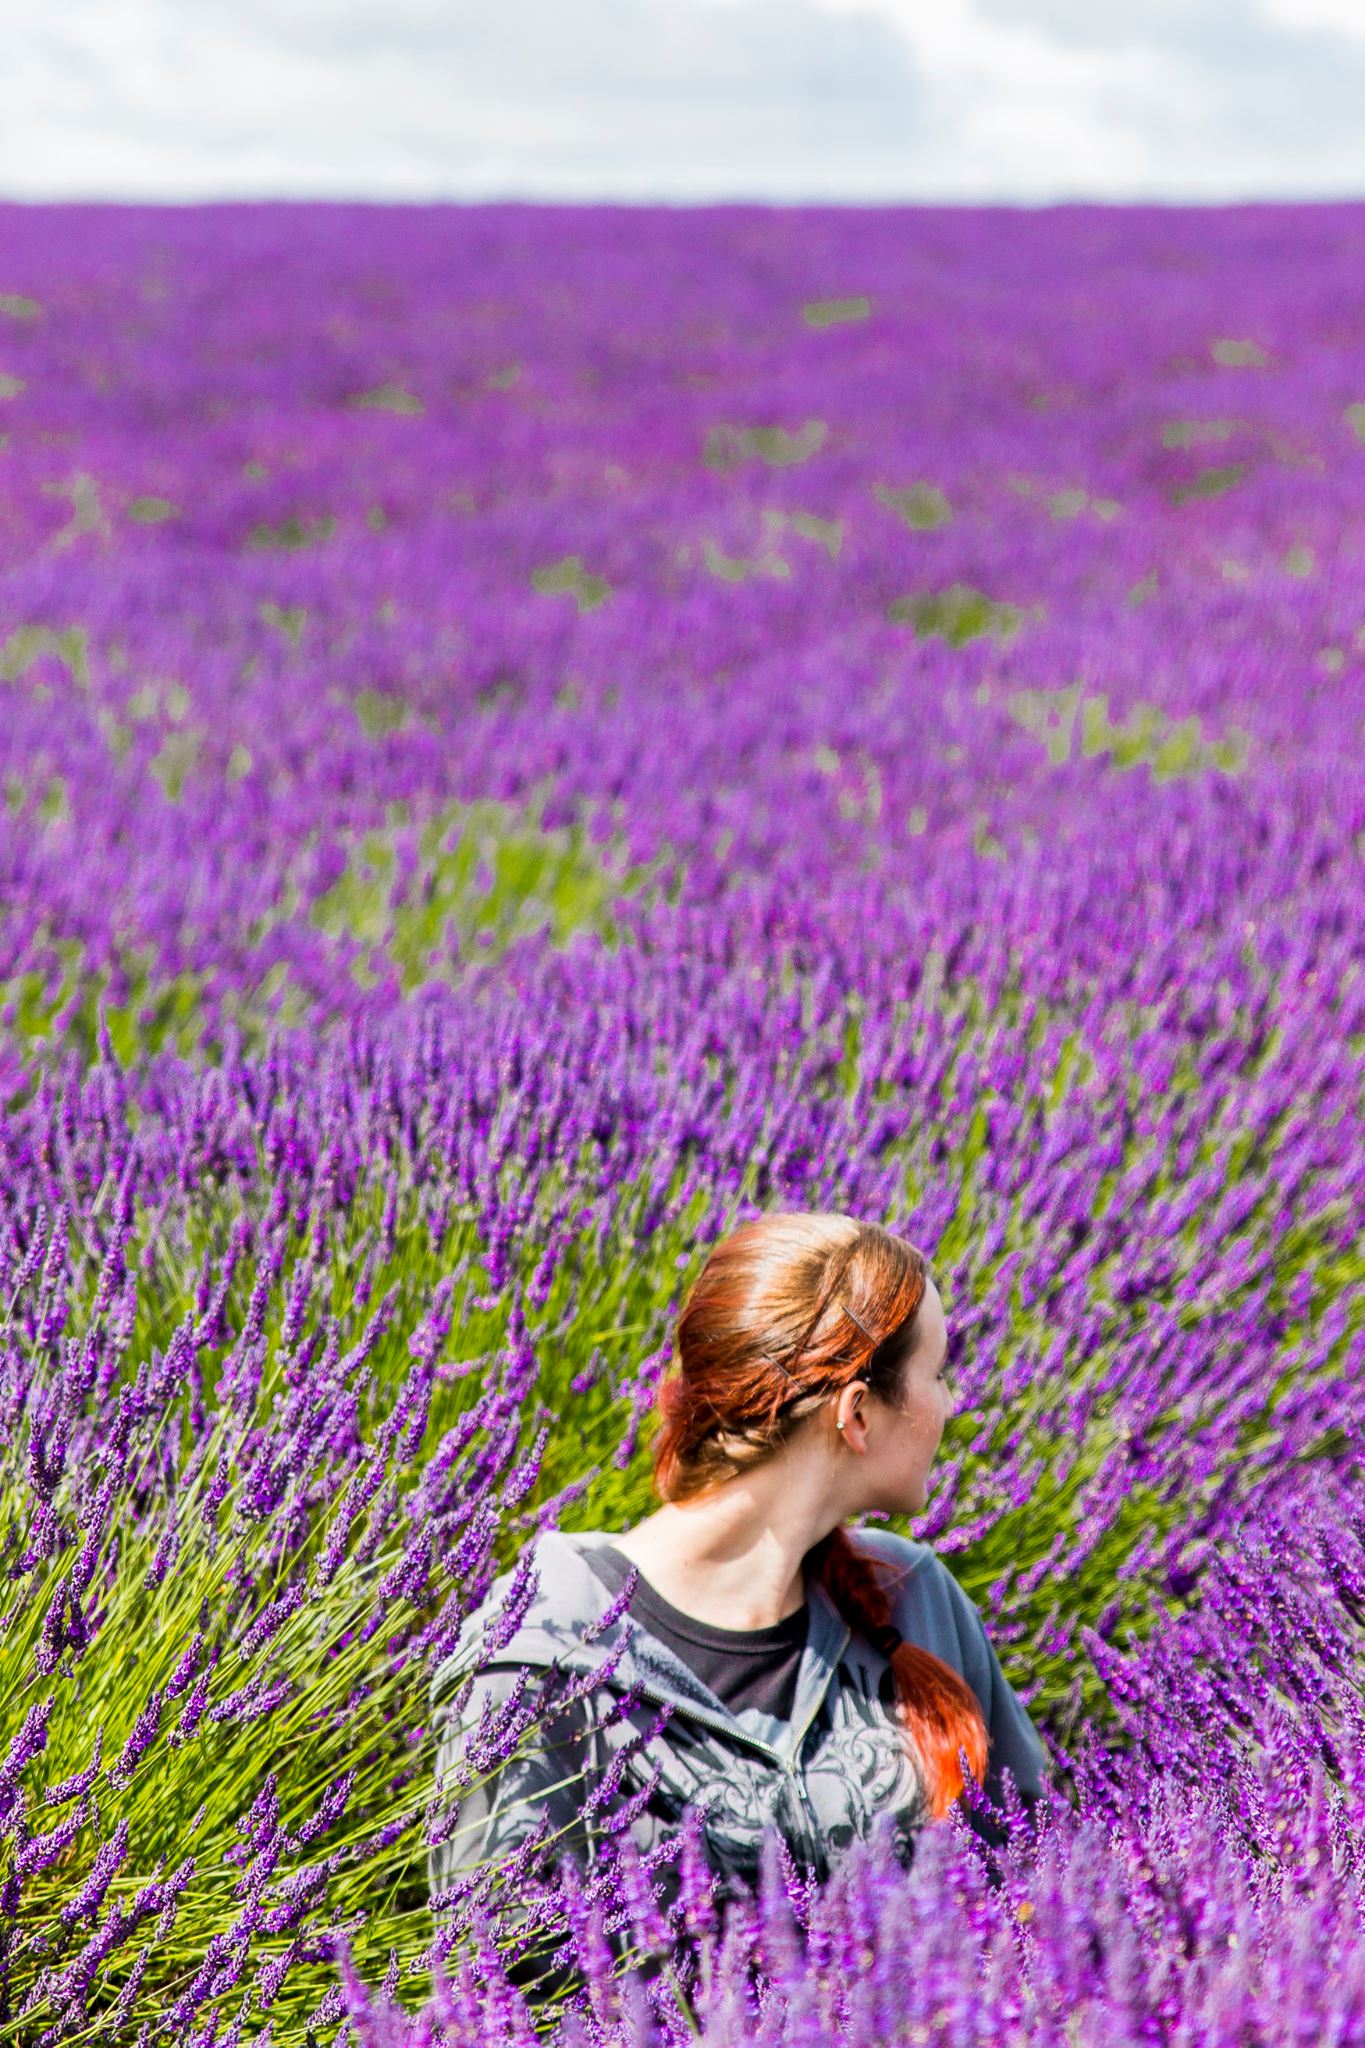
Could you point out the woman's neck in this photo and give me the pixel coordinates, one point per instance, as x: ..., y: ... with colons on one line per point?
x: 728, y: 1558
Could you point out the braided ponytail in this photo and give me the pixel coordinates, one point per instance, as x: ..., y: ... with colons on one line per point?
x: 938, y: 1708
x: 765, y: 1295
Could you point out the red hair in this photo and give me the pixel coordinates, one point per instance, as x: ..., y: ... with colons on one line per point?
x: 787, y: 1310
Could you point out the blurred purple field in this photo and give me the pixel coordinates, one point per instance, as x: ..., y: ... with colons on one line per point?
x: 527, y: 734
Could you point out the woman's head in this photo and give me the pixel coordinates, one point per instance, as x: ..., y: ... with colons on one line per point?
x: 821, y: 1338
x: 810, y: 1331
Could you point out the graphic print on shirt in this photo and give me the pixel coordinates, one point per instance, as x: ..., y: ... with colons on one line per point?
x: 854, y: 1762
x: 858, y: 1767
x: 740, y: 1790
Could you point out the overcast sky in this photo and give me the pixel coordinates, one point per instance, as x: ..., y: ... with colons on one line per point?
x: 678, y: 100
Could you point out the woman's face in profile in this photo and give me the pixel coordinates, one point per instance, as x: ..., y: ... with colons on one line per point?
x: 903, y: 1439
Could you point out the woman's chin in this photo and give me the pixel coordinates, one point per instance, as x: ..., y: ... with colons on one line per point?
x: 911, y: 1500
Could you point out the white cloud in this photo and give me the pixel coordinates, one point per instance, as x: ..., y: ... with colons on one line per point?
x: 1033, y: 112
x: 1342, y: 17
x: 685, y: 99
x: 1180, y: 99
x: 413, y: 97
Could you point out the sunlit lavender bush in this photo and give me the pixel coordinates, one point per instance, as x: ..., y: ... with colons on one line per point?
x: 527, y: 735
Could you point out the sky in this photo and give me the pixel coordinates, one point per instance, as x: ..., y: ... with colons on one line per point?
x: 685, y: 101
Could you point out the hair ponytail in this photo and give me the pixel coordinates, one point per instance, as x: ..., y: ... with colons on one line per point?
x: 937, y: 1706
x: 787, y: 1310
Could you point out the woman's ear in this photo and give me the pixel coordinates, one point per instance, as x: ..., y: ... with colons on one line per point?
x: 850, y: 1414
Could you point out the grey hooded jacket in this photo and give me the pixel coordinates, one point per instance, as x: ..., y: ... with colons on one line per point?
x: 821, y: 1778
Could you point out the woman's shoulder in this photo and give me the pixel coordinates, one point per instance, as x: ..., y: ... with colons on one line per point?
x: 900, y: 1557
x: 554, y: 1593
x: 927, y: 1602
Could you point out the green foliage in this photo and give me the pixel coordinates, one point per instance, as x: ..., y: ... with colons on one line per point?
x: 387, y: 398
x: 568, y: 576
x: 174, y: 761
x: 727, y: 446
x: 1209, y: 483
x: 957, y: 614
x: 27, y: 644
x: 292, y: 533
x: 1067, y: 503
x: 825, y: 533
x: 483, y: 876
x: 923, y: 507
x: 152, y: 511
x: 289, y: 619
x: 379, y: 712
x: 738, y: 569
x: 1149, y: 736
x: 352, y: 1701
x: 61, y: 1010
x: 1194, y: 433
x: 835, y: 312
x: 1239, y: 355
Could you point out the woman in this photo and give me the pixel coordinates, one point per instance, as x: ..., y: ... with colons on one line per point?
x: 818, y: 1675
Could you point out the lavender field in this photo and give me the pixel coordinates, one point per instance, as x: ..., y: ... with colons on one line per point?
x: 529, y: 734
